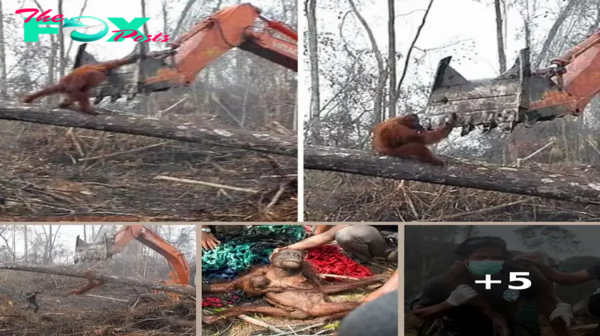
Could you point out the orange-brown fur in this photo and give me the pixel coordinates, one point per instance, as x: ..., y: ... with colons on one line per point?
x: 90, y: 285
x: 292, y: 290
x: 404, y: 137
x: 76, y: 85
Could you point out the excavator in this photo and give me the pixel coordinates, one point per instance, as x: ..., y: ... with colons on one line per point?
x: 520, y: 95
x: 241, y: 26
x: 180, y: 274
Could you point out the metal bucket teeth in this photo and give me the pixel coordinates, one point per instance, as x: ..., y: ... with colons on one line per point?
x: 88, y: 252
x: 494, y: 102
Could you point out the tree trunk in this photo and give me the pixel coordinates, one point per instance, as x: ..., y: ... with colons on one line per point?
x: 137, y: 125
x: 81, y: 273
x: 478, y: 176
x: 562, y: 16
x: 61, y: 43
x: 392, y: 57
x: 26, y: 242
x: 3, y: 89
x: 382, y: 78
x: 50, y: 247
x: 500, y: 36
x: 313, y: 52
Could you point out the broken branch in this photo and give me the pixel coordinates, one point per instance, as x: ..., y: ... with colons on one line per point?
x: 78, y: 273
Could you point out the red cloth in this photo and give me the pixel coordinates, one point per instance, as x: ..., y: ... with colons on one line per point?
x: 329, y: 259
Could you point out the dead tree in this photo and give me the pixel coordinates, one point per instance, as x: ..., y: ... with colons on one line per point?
x: 455, y: 173
x: 152, y: 127
x: 82, y: 273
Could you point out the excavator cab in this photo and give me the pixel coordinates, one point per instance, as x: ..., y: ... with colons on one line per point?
x: 87, y: 252
x: 505, y: 101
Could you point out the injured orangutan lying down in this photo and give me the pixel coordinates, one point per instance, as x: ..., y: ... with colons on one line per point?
x: 293, y: 289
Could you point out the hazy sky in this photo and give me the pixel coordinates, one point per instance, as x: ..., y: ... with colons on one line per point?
x: 465, y: 27
x: 67, y: 235
x: 589, y: 235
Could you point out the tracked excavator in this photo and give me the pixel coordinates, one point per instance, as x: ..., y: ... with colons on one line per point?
x: 180, y: 274
x: 520, y: 95
x: 240, y: 26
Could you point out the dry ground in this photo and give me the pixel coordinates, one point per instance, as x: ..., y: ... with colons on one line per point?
x: 49, y: 173
x: 345, y: 197
x: 110, y: 310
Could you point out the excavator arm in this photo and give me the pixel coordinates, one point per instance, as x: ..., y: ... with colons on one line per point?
x: 180, y: 269
x: 240, y: 26
x: 520, y: 95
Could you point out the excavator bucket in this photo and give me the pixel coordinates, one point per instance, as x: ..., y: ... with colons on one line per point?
x: 497, y: 102
x: 129, y: 79
x: 86, y: 252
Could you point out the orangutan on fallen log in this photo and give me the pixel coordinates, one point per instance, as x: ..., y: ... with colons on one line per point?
x: 293, y: 289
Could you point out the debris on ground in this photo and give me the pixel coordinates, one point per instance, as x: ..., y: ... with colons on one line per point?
x: 82, y: 173
x: 114, y: 310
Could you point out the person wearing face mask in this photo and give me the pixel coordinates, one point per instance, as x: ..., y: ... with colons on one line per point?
x: 455, y: 298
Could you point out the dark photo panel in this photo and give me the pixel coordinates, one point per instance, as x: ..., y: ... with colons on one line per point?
x: 502, y: 280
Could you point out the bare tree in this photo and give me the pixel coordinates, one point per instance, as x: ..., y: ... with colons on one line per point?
x: 500, y: 36
x: 383, y: 73
x: 61, y: 43
x: 392, y: 57
x: 3, y: 82
x: 313, y: 50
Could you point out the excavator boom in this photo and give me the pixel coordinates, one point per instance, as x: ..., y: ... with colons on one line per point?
x: 520, y: 95
x: 240, y: 26
x: 180, y: 268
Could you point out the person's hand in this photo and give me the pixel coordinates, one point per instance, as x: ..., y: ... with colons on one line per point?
x: 275, y: 251
x: 461, y: 295
x: 209, y: 242
x: 563, y: 311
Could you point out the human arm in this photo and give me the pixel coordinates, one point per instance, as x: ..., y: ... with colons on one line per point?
x: 317, y: 240
x: 321, y: 229
x: 562, y: 278
x: 390, y: 286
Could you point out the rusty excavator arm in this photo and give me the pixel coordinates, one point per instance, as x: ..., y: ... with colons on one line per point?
x: 520, y: 95
x: 180, y: 269
x: 240, y: 26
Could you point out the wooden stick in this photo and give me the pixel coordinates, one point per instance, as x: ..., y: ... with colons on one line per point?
x: 260, y: 323
x: 124, y: 152
x: 208, y: 184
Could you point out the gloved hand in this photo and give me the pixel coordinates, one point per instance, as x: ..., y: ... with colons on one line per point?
x: 564, y: 311
x: 461, y: 295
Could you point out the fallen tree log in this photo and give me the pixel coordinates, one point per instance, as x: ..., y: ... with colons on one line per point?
x: 152, y: 127
x: 82, y: 273
x: 460, y: 174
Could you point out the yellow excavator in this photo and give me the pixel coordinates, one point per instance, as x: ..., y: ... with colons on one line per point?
x: 520, y: 95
